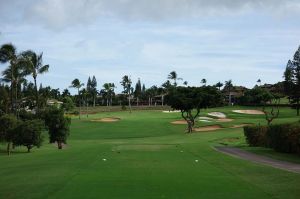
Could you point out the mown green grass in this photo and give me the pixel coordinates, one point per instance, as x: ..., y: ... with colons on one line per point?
x: 147, y: 157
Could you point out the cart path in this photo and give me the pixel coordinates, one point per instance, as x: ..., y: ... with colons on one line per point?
x: 236, y: 152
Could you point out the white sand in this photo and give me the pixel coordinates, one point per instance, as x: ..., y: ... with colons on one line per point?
x: 250, y: 112
x: 217, y: 114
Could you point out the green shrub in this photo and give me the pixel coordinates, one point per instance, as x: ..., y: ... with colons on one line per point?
x: 285, y: 137
x: 256, y: 135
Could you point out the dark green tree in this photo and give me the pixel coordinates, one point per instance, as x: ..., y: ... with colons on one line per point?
x: 187, y: 99
x: 58, y: 125
x: 8, y: 126
x: 292, y: 81
x: 77, y: 84
x: 228, y: 88
x: 173, y: 76
x: 127, y: 89
x: 34, y: 67
x: 29, y: 134
x: 138, y: 91
x: 219, y: 85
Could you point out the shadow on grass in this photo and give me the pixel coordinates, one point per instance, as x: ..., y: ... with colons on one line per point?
x: 3, y: 152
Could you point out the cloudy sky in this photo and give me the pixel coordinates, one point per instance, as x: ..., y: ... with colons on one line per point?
x: 217, y: 39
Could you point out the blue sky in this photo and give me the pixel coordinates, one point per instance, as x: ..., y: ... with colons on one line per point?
x: 217, y: 40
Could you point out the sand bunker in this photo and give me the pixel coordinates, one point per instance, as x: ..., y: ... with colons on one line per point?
x: 207, y: 128
x: 250, y: 112
x: 240, y: 125
x: 217, y: 114
x: 205, y: 121
x: 107, y: 119
x: 205, y: 118
x: 224, y: 120
x: 179, y: 122
x: 175, y: 111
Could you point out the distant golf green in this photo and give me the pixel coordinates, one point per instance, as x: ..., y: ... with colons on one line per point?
x: 143, y: 155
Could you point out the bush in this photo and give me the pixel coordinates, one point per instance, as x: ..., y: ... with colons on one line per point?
x: 281, y: 137
x: 285, y: 137
x: 256, y: 135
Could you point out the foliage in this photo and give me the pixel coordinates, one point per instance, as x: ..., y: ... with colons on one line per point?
x: 8, y: 126
x: 280, y: 137
x: 29, y: 134
x: 68, y: 104
x: 256, y: 135
x: 186, y: 99
x: 285, y: 137
x: 256, y: 96
x: 58, y: 125
x: 292, y: 80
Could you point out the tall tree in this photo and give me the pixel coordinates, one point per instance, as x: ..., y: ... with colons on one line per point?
x: 34, y: 67
x: 77, y: 84
x: 292, y: 80
x: 8, y: 54
x: 173, y: 76
x: 94, y: 91
x: 108, y: 91
x: 203, y: 81
x: 219, y: 85
x: 127, y: 89
x: 138, y: 91
x: 228, y: 87
x: 58, y: 125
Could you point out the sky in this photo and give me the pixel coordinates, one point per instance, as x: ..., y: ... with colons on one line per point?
x: 219, y: 40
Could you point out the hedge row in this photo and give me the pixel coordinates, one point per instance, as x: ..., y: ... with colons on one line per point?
x: 280, y: 137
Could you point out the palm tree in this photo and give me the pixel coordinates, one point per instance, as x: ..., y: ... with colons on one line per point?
x: 259, y: 82
x: 185, y: 83
x: 8, y: 54
x: 173, y: 76
x: 203, y: 81
x: 228, y: 86
x: 219, y: 85
x: 34, y: 67
x: 18, y: 74
x: 126, y: 83
x: 77, y: 84
x: 109, y: 92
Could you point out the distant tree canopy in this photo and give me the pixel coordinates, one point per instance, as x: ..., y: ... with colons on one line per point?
x: 256, y: 96
x: 292, y: 80
x: 186, y: 99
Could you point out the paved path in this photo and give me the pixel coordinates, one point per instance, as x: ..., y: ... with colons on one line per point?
x: 236, y: 152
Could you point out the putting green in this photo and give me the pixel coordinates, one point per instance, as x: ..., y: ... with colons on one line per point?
x: 145, y: 157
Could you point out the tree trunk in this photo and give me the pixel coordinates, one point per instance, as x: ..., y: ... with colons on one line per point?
x: 59, y: 145
x: 137, y: 101
x: 36, y: 95
x: 94, y: 100
x: 8, y: 148
x: 298, y: 107
x: 87, y: 107
x: 79, y: 105
x: 162, y: 100
x: 129, y: 102
x: 149, y: 101
x: 28, y: 148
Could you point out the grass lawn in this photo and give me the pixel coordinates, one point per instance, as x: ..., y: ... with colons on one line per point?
x: 146, y: 157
